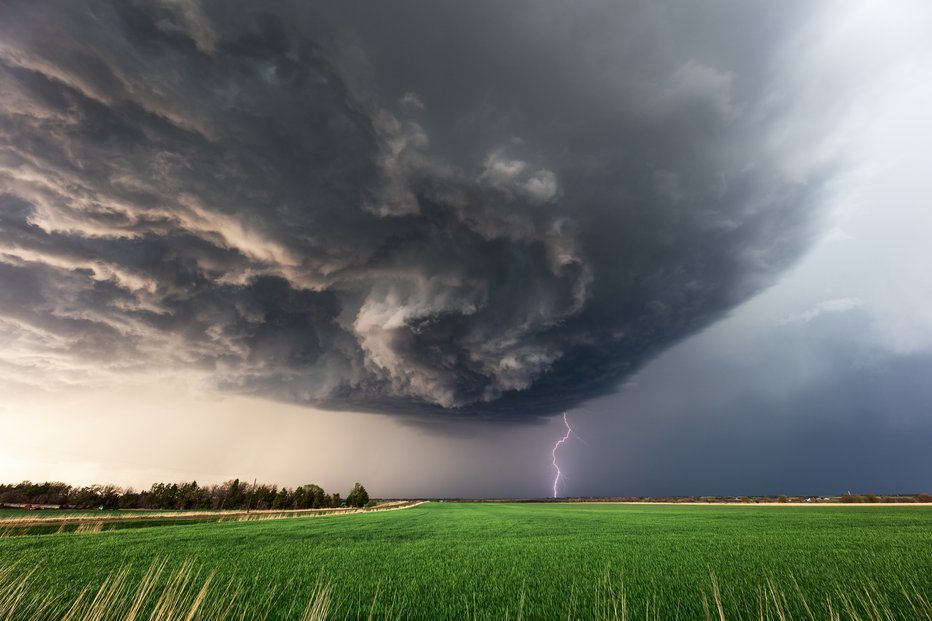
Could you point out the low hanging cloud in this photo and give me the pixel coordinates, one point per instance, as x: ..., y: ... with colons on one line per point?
x: 475, y: 210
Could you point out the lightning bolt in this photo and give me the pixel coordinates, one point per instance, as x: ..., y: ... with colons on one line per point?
x: 559, y: 475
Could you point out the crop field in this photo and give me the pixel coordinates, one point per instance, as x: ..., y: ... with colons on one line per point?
x: 489, y: 561
x: 58, y: 522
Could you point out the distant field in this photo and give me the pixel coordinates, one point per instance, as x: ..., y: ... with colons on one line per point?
x: 489, y: 561
x: 48, y: 522
x: 44, y: 514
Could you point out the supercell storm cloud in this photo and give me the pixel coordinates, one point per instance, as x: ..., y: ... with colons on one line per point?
x: 481, y: 209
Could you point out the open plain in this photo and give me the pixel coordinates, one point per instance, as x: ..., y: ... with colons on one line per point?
x: 490, y: 561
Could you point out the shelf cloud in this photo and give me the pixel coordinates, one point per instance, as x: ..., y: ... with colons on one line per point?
x: 483, y: 210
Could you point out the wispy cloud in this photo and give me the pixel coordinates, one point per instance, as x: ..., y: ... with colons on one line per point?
x: 838, y: 305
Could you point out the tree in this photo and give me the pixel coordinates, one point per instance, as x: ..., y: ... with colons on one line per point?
x: 129, y: 499
x: 87, y: 497
x: 110, y: 496
x: 358, y: 497
x: 235, y: 497
x: 282, y: 499
x: 264, y: 496
x: 299, y: 498
x: 315, y: 495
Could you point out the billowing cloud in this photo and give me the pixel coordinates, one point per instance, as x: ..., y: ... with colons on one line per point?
x: 478, y: 209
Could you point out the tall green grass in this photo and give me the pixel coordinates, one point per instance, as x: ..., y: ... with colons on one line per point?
x: 187, y: 593
x: 451, y: 561
x: 190, y: 593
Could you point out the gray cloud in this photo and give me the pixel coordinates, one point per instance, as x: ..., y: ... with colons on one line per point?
x: 814, y: 407
x: 481, y: 210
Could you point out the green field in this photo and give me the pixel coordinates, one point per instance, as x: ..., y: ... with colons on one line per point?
x: 538, y: 561
x: 57, y: 513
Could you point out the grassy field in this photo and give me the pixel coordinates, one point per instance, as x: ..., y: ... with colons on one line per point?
x: 13, y: 523
x: 492, y: 561
x: 45, y: 514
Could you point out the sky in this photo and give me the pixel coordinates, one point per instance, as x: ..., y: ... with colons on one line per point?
x: 393, y: 243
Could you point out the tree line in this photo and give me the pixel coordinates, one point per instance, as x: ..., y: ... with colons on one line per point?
x: 187, y: 496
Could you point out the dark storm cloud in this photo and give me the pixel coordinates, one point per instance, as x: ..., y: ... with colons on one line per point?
x: 803, y: 409
x: 481, y: 209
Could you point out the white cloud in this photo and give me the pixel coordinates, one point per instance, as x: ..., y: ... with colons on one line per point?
x: 839, y: 305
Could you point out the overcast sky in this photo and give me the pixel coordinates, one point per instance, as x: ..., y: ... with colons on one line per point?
x: 394, y: 242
